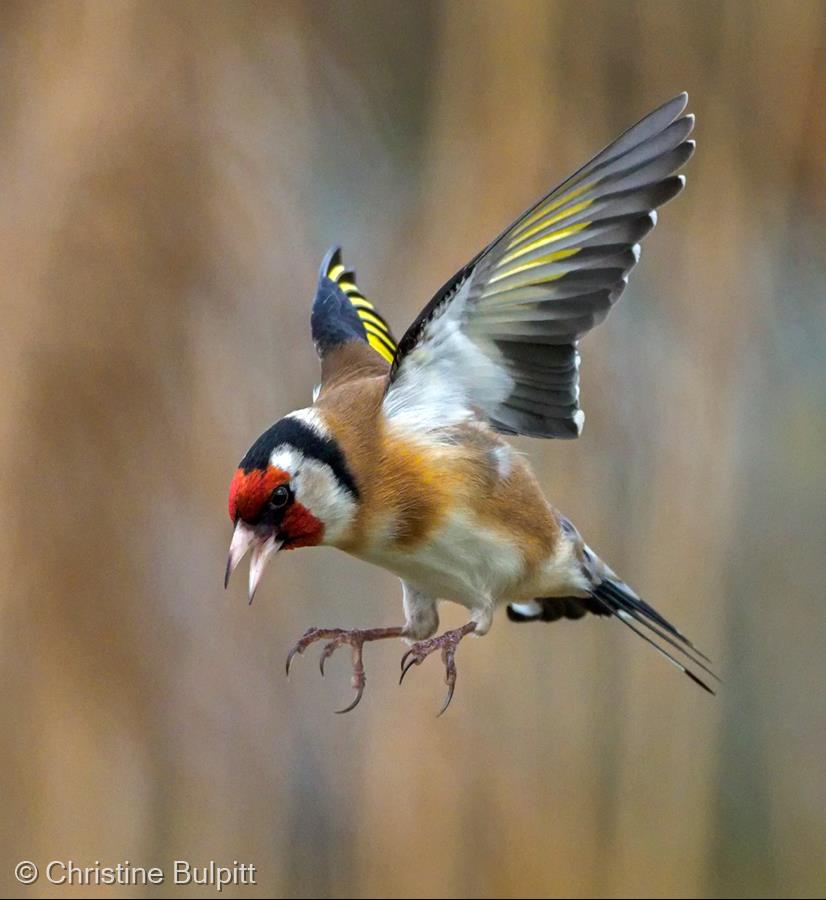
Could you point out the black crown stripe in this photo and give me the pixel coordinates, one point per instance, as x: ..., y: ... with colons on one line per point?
x: 304, y: 438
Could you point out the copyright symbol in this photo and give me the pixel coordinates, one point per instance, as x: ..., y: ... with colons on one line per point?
x: 26, y: 872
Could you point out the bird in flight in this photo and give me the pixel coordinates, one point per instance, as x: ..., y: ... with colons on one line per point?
x: 401, y: 460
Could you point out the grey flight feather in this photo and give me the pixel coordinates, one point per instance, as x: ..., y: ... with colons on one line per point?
x: 556, y: 272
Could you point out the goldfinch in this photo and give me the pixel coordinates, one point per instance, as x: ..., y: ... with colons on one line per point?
x: 401, y: 460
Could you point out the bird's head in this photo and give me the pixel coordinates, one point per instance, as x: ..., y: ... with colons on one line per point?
x: 292, y: 489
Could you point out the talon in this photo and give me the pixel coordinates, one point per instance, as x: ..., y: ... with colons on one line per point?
x: 451, y: 686
x: 450, y: 676
x: 338, y: 636
x: 408, y: 667
x: 410, y: 652
x: 447, y: 642
x: 355, y: 702
x: 310, y: 635
x: 290, y: 656
x: 326, y: 653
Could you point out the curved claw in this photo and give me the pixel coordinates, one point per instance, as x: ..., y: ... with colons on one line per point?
x: 298, y: 648
x: 309, y: 637
x: 408, y: 667
x: 326, y: 653
x: 355, y: 703
x: 450, y: 686
x: 450, y: 676
x: 290, y: 656
x: 337, y: 637
x: 448, y: 642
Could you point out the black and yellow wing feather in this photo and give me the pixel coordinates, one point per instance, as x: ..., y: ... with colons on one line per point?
x: 342, y: 313
x: 506, y: 327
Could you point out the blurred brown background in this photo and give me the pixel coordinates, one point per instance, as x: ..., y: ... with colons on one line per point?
x: 171, y: 175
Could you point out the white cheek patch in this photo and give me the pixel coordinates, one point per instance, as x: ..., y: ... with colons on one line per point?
x: 317, y: 489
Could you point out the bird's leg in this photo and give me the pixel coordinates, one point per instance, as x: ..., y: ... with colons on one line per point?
x: 335, y: 637
x: 447, y: 643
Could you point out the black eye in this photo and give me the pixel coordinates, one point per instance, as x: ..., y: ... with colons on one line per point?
x: 280, y: 497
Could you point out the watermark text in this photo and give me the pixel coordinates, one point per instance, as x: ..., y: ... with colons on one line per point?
x: 180, y: 871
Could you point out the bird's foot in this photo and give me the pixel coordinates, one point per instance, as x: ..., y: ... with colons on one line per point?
x: 335, y: 637
x: 447, y: 643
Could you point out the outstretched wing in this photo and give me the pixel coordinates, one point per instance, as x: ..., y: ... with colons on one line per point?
x: 342, y: 314
x: 501, y: 336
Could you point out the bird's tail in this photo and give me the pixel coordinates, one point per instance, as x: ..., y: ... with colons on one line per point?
x: 598, y: 590
x: 618, y: 599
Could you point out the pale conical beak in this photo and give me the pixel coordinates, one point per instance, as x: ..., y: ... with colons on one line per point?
x: 261, y: 553
x: 263, y: 543
x: 242, y: 539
